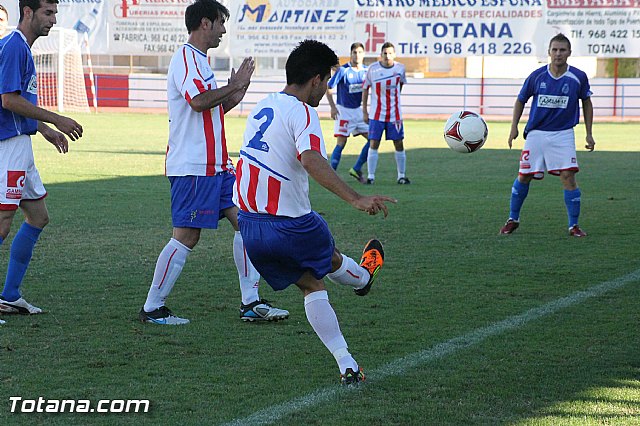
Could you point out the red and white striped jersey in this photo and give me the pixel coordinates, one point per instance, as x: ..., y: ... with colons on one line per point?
x: 197, y: 144
x: 384, y: 85
x: 270, y: 178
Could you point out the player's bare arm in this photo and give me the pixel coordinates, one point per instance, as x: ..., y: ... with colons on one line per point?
x: 587, y: 108
x: 320, y: 170
x: 19, y: 105
x: 56, y: 138
x: 238, y: 82
x: 365, y: 100
x: 518, y: 108
x: 332, y: 104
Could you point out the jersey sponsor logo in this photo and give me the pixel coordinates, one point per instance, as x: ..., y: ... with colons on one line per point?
x: 355, y: 88
x: 33, y: 85
x: 15, y: 183
x: 550, y: 101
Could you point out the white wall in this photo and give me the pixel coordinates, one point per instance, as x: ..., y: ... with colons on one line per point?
x: 520, y: 67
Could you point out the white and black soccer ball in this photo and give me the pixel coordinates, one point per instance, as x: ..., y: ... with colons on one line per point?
x: 465, y: 132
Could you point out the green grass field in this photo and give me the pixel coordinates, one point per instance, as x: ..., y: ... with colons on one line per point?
x: 463, y: 326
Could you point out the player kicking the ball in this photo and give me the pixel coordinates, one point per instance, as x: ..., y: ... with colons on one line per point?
x: 288, y: 242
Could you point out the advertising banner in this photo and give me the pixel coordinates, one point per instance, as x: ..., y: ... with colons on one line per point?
x: 440, y: 28
x: 606, y: 28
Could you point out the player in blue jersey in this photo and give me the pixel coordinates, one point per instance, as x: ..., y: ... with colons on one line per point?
x: 347, y: 109
x: 20, y: 117
x: 549, y: 138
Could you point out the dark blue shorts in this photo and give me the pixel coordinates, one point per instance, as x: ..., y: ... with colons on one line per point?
x: 393, y: 131
x: 282, y: 248
x: 198, y: 201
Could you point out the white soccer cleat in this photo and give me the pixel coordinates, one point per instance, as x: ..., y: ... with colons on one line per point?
x: 19, y: 306
x: 2, y: 322
x: 261, y: 310
x: 162, y: 316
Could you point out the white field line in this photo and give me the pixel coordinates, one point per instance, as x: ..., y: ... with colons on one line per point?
x: 399, y: 366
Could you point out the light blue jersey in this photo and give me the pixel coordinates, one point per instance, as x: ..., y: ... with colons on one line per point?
x: 349, y: 82
x: 17, y: 74
x: 555, y: 100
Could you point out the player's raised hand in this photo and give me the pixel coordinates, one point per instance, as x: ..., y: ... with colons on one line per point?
x: 373, y: 204
x: 512, y: 135
x: 243, y: 76
x: 69, y: 127
x: 591, y: 143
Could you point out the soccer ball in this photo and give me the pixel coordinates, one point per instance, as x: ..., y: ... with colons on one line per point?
x: 465, y: 132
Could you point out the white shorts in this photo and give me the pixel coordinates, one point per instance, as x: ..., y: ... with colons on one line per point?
x: 19, y: 178
x: 552, y: 152
x: 350, y: 122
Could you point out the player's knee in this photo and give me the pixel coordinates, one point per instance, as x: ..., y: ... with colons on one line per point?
x: 4, y: 231
x: 569, y: 180
x: 39, y: 221
x: 5, y: 224
x: 525, y: 179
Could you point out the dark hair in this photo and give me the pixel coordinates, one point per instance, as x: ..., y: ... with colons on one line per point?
x: 387, y: 45
x: 308, y: 59
x: 33, y: 5
x: 560, y: 38
x: 199, y: 9
x: 356, y: 45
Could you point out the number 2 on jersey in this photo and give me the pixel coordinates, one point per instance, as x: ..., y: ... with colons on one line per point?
x: 256, y: 141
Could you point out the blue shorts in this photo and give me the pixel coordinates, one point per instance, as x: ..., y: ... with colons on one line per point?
x: 283, y: 248
x: 394, y: 131
x: 198, y: 201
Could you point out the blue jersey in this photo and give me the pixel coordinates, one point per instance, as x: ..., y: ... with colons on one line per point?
x: 349, y: 82
x: 17, y: 74
x: 555, y: 100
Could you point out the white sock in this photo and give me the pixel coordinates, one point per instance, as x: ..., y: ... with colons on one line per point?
x: 249, y: 277
x: 401, y: 163
x: 372, y: 163
x: 350, y: 274
x: 168, y: 268
x: 323, y: 319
